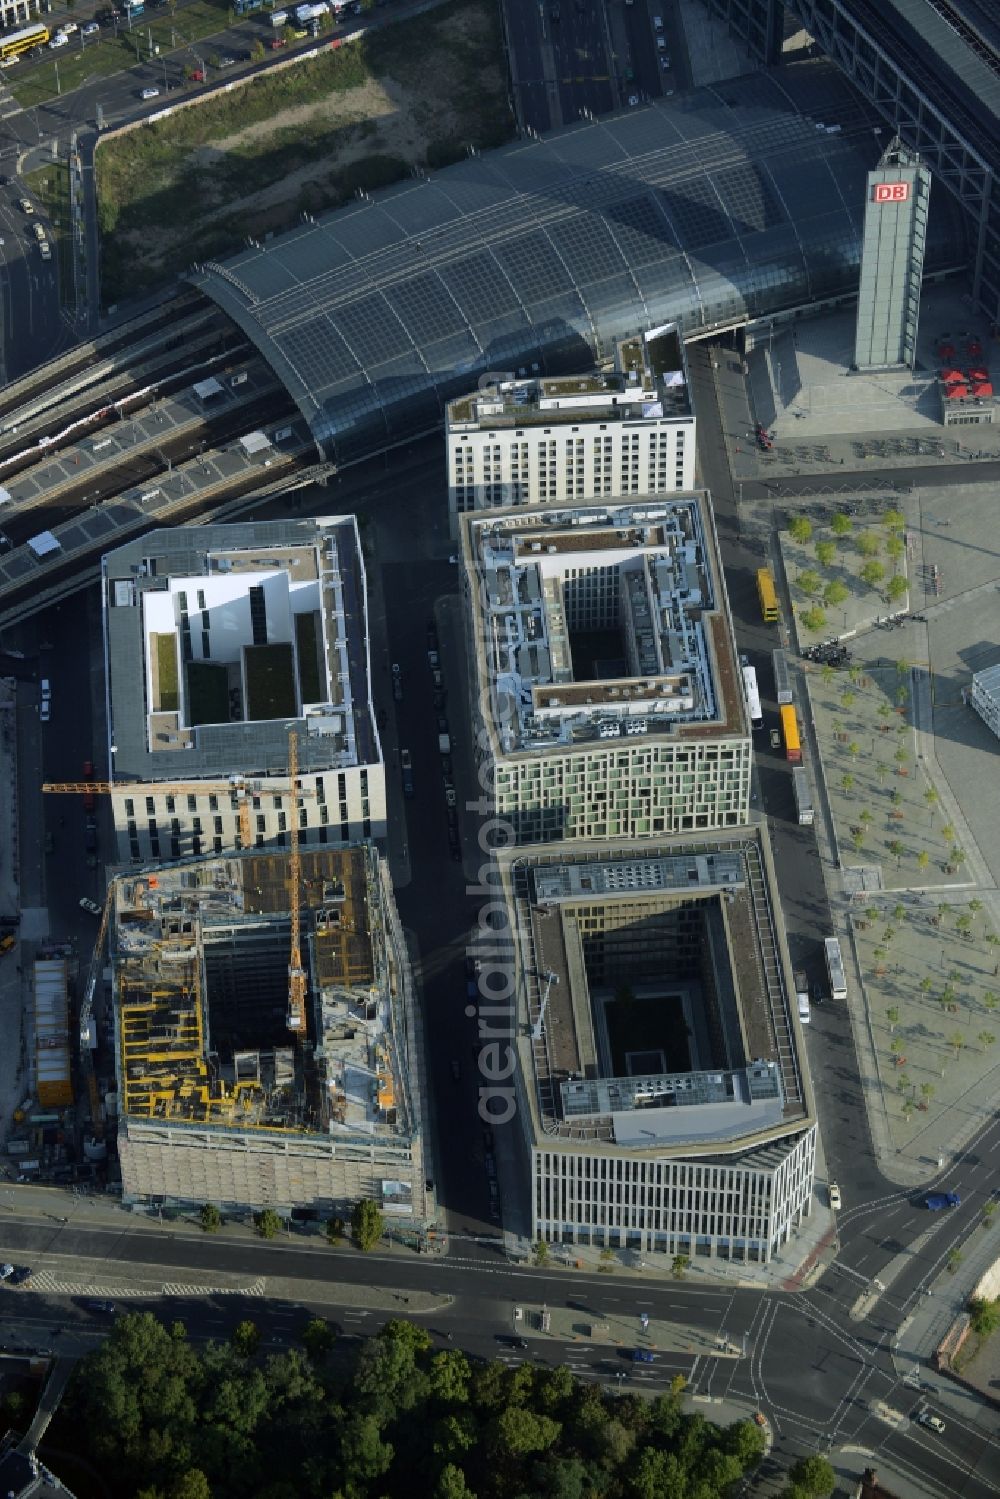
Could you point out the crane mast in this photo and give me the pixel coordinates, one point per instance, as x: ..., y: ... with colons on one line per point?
x: 296, y: 1019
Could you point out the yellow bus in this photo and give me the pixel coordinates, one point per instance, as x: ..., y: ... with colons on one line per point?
x: 23, y: 41
x: 766, y: 594
x: 790, y: 734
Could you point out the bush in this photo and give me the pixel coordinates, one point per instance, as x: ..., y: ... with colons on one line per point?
x: 268, y: 1223
x: 366, y: 1225
x: 211, y: 1218
x: 984, y: 1316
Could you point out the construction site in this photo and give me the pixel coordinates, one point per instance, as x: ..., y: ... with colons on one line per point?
x: 263, y: 1032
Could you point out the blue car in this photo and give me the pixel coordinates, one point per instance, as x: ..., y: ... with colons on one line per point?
x: 642, y: 1356
x: 935, y: 1201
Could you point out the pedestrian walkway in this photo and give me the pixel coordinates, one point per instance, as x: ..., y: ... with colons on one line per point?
x: 631, y: 1329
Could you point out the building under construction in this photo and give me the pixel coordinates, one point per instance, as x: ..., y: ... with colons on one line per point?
x: 265, y: 1044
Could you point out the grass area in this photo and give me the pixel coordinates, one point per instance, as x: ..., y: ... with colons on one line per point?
x: 208, y: 693
x: 167, y: 693
x: 306, y: 138
x: 270, y: 682
x: 50, y: 186
x: 86, y: 58
x: 307, y: 644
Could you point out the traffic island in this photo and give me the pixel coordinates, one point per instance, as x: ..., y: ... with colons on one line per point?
x: 641, y: 1336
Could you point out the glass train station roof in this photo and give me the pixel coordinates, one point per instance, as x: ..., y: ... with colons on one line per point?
x: 728, y: 202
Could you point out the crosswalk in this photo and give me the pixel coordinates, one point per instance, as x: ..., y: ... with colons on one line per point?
x: 52, y: 1284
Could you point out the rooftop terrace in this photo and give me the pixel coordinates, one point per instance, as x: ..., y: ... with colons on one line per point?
x: 649, y: 380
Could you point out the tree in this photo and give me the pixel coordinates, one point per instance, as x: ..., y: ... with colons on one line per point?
x: 896, y: 1046
x: 892, y: 1015
x: 895, y: 548
x: 335, y: 1231
x: 257, y: 52
x: 521, y: 1431
x: 895, y: 848
x: 814, y: 1477
x: 841, y: 523
x: 825, y: 553
x: 954, y: 1260
x: 927, y: 1091
x: 897, y: 588
x: 986, y: 1039
x: 931, y: 799
x: 975, y: 906
x: 854, y: 749
x: 540, y: 1252
x: 901, y: 756
x: 826, y: 673
x: 857, y: 840
x: 894, y: 520
x: 926, y: 984
x: 984, y: 1316
x: 190, y: 1485
x: 865, y: 817
x: 956, y: 856
x: 923, y: 859
x: 245, y: 1338
x: 679, y: 1265
x: 963, y: 924
x: 211, y: 1218
x: 847, y: 698
x: 902, y: 695
x: 872, y: 913
x: 868, y: 544
x: 814, y: 619
x: 809, y: 582
x: 956, y: 1041
x: 268, y: 1223
x: 948, y: 834
x: 318, y: 1338
x: 989, y: 1211
x: 899, y: 913
x: 847, y: 781
x: 835, y: 593
x: 367, y: 1224
x: 990, y: 1001
x: 800, y: 529
x: 872, y: 573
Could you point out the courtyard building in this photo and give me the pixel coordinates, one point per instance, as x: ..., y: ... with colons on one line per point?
x: 228, y: 649
x: 658, y: 1076
x: 606, y: 692
x: 222, y: 1096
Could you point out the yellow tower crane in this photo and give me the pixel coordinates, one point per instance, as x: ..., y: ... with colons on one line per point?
x: 243, y: 788
x: 296, y: 1019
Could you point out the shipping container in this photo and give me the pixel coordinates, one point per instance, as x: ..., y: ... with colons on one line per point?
x: 803, y: 796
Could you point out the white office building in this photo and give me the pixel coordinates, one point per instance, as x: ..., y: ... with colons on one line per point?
x: 606, y: 683
x: 985, y: 697
x: 533, y: 441
x: 657, y: 1078
x: 221, y: 644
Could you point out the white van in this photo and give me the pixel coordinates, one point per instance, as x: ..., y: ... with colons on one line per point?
x: 803, y: 1000
x: 658, y: 23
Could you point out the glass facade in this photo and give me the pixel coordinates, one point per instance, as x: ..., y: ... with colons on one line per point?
x: 725, y: 204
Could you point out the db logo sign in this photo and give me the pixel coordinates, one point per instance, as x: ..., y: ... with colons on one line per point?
x: 891, y: 192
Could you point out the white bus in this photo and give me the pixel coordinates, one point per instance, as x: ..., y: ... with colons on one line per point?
x: 753, y: 697
x: 835, y: 968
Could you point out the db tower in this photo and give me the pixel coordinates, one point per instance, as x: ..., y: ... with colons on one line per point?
x: 892, y: 261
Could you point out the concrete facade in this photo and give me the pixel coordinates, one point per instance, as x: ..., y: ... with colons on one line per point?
x: 536, y: 441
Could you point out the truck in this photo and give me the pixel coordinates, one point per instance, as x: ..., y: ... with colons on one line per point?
x: 444, y: 744
x: 803, y: 797
x: 802, y: 995
x: 782, y: 684
x: 935, y: 1201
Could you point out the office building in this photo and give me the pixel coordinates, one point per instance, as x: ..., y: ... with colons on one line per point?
x: 558, y: 440
x: 985, y: 697
x: 605, y: 685
x: 657, y: 1074
x: 219, y: 1099
x: 228, y: 649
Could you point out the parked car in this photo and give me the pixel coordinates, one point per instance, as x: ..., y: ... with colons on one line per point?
x: 835, y: 1197
x: 275, y: 42
x: 91, y: 29
x: 59, y: 40
x: 43, y: 711
x: 643, y: 1356
x: 38, y: 230
x: 26, y: 206
x: 86, y: 904
x: 928, y: 1418
x: 149, y: 93
x: 775, y: 739
x: 227, y: 62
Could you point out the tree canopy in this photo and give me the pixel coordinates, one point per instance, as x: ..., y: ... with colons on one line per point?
x: 166, y: 1420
